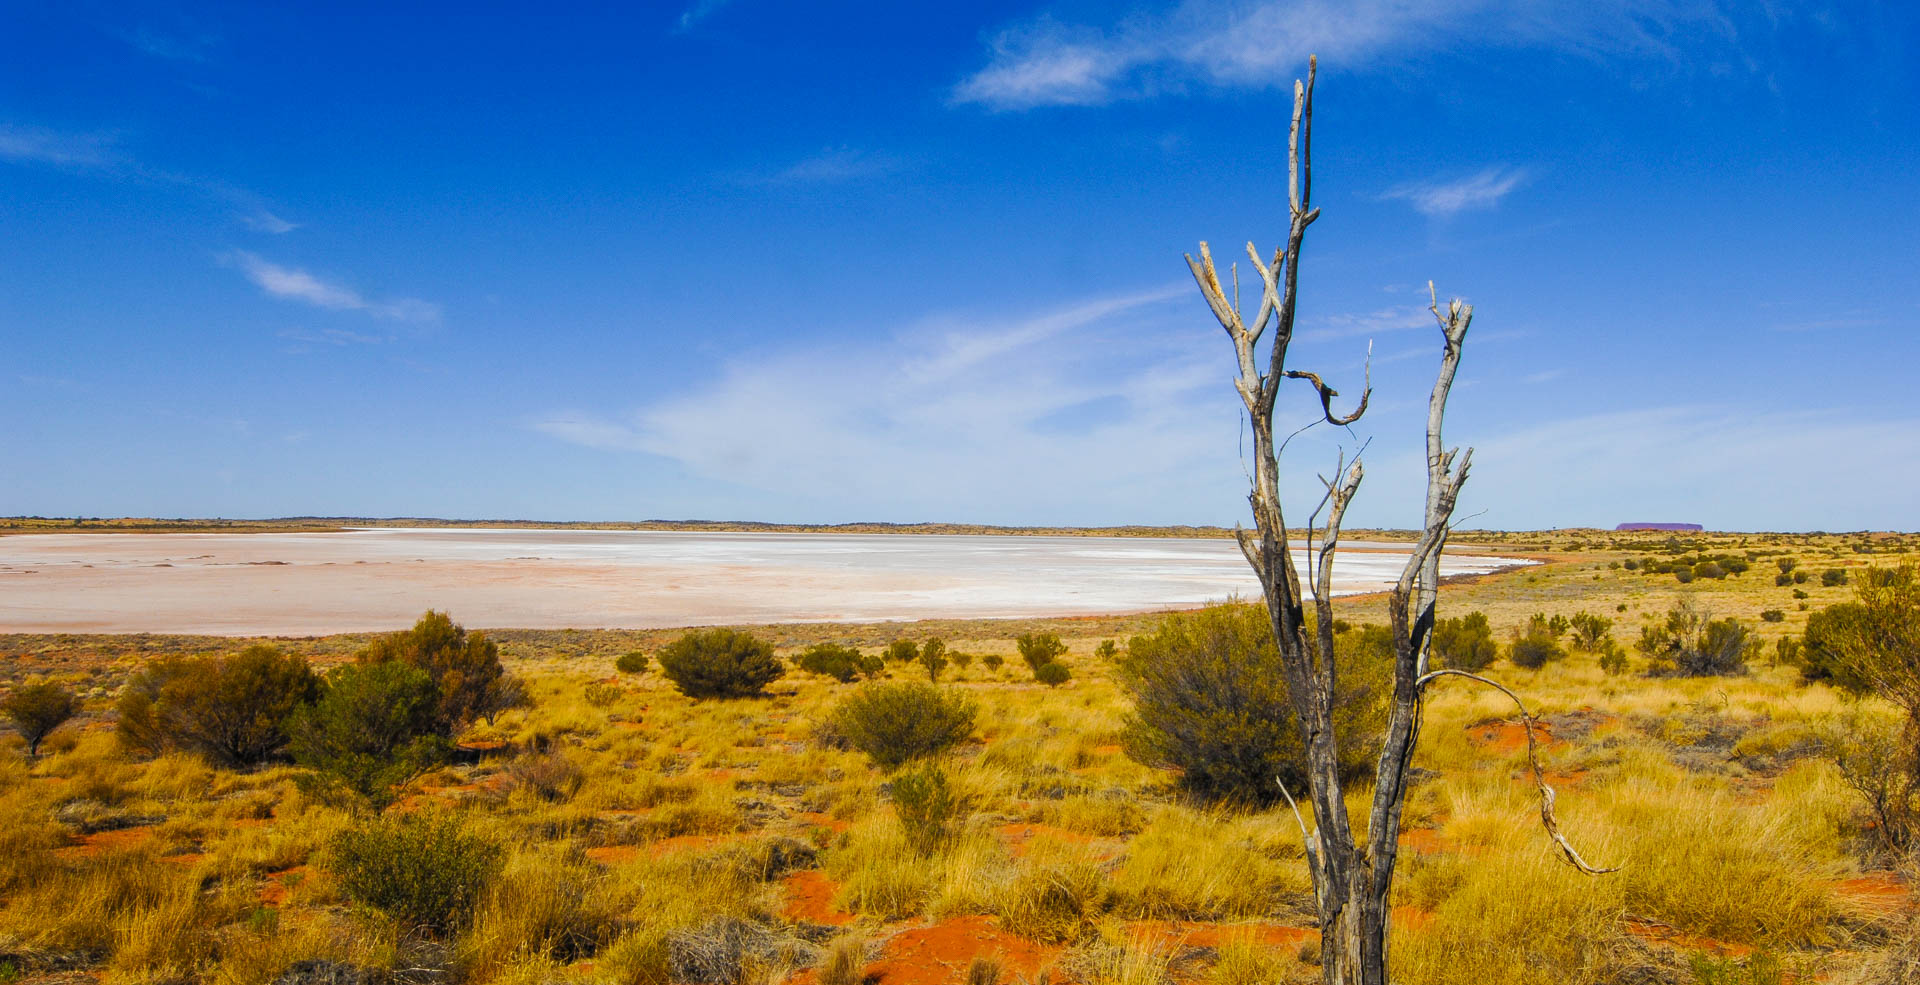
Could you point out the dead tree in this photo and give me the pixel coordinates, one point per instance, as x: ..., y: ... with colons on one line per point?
x: 1352, y: 875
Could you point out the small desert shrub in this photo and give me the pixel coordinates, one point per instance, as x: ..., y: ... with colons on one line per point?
x: 961, y: 659
x: 933, y: 657
x: 1589, y: 631
x: 720, y: 663
x: 232, y: 711
x: 1209, y: 699
x: 1107, y: 650
x: 38, y: 709
x: 1772, y: 615
x: 464, y: 667
x: 1464, y: 643
x: 1052, y: 674
x: 927, y: 807
x: 1054, y: 895
x: 1534, y: 649
x: 1613, y: 659
x: 421, y: 870
x: 992, y: 661
x: 1709, y: 569
x: 842, y: 663
x: 1040, y: 649
x: 374, y: 727
x: 550, y: 776
x: 902, y: 652
x: 1833, y: 576
x: 894, y: 723
x: 631, y: 662
x: 1692, y: 644
x: 1782, y: 579
x: 601, y: 694
x: 1683, y: 575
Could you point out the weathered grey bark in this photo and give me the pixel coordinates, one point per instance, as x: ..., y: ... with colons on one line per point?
x: 1352, y: 878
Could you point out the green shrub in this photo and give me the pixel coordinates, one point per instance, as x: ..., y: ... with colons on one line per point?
x: 1038, y: 649
x: 601, y: 694
x: 38, y: 709
x: 1709, y: 569
x: 1210, y: 700
x: 1786, y: 564
x: 720, y: 663
x: 1052, y: 674
x: 1683, y: 575
x: 961, y: 659
x: 231, y: 711
x: 842, y: 663
x: 1801, y: 577
x: 1107, y: 650
x: 1613, y: 658
x: 1534, y: 650
x: 1590, y: 631
x: 423, y: 871
x: 1464, y: 643
x: 902, y: 652
x: 373, y: 728
x: 631, y: 662
x: 1833, y: 576
x: 464, y: 667
x: 1691, y: 644
x: 992, y: 661
x: 1772, y: 615
x: 933, y: 656
x: 1782, y: 579
x: 925, y: 803
x: 895, y: 723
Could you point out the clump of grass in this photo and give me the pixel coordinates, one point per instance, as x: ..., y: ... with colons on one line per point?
x: 425, y: 871
x: 1055, y: 892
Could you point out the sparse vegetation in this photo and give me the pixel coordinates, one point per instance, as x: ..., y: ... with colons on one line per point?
x: 896, y: 722
x: 720, y: 663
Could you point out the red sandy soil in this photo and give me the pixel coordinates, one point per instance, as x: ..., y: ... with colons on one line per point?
x: 1017, y: 836
x: 1506, y: 736
x: 106, y: 841
x: 1189, y: 933
x: 939, y: 954
x: 1108, y: 749
x: 1411, y: 918
x: 1426, y: 841
x: 819, y: 820
x: 280, y: 885
x: 1653, y: 930
x: 810, y: 899
x: 1876, y: 893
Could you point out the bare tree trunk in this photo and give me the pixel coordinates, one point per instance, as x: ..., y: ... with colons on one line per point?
x: 1352, y: 880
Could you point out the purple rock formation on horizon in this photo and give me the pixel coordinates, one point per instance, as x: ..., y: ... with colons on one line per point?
x: 1661, y: 526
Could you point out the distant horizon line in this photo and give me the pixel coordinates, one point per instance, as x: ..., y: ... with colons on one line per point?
x: 17, y: 524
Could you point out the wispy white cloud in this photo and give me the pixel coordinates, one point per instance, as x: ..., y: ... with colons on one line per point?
x: 1266, y: 42
x: 699, y: 11
x: 831, y: 166
x: 332, y: 336
x: 36, y: 145
x: 1440, y: 199
x: 294, y: 284
x: 267, y: 222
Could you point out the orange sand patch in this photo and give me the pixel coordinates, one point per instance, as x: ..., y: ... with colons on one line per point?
x: 1875, y: 894
x: 1193, y: 933
x: 1505, y: 736
x: 1017, y: 836
x: 1655, y: 931
x: 280, y: 884
x: 613, y: 854
x: 810, y: 899
x: 939, y: 954
x: 1411, y: 918
x: 1426, y: 841
x: 820, y: 820
x: 106, y: 841
x: 1557, y: 779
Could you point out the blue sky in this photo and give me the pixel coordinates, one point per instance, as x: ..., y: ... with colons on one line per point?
x: 741, y: 259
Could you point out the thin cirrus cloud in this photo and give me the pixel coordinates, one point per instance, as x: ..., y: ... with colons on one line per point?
x: 1258, y: 43
x: 959, y: 415
x: 37, y: 145
x: 832, y: 166
x: 100, y: 154
x: 294, y: 284
x: 1439, y: 199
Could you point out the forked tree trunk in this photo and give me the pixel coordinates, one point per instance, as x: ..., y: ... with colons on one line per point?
x: 1352, y: 879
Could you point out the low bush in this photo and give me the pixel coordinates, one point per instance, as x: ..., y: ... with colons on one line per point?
x: 842, y: 663
x: 1534, y: 648
x: 1040, y: 649
x: 631, y: 662
x: 1693, y: 644
x: 232, y: 711
x: 1613, y: 658
x: 1464, y: 643
x: 1590, y: 631
x: 1210, y: 700
x: 1107, y: 650
x: 895, y: 723
x: 902, y: 652
x: 464, y: 667
x: 36, y: 710
x: 927, y: 807
x: 1833, y: 576
x: 601, y: 694
x: 933, y: 657
x: 373, y: 728
x: 1772, y: 615
x: 423, y: 871
x: 720, y: 663
x: 1053, y: 673
x: 992, y: 661
x: 1683, y: 575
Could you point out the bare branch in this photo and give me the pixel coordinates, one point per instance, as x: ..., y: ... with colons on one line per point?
x: 1327, y: 394
x: 1527, y: 721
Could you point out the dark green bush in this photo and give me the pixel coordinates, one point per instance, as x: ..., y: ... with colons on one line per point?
x: 842, y: 663
x: 720, y: 663
x: 1590, y: 632
x: 992, y: 661
x: 423, y: 871
x: 927, y: 807
x: 1833, y: 576
x: 1039, y: 649
x: 1053, y: 674
x: 895, y: 723
x: 232, y: 711
x: 1534, y: 650
x: 1210, y: 700
x: 1782, y: 579
x: 374, y: 727
x: 1464, y: 643
x: 1801, y: 577
x: 1107, y: 650
x: 1772, y: 615
x: 1786, y: 564
x: 631, y: 662
x: 1691, y: 644
x: 464, y: 667
x: 1683, y: 575
x: 1709, y: 569
x: 1613, y: 657
x: 933, y: 656
x: 38, y: 709
x: 902, y: 652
